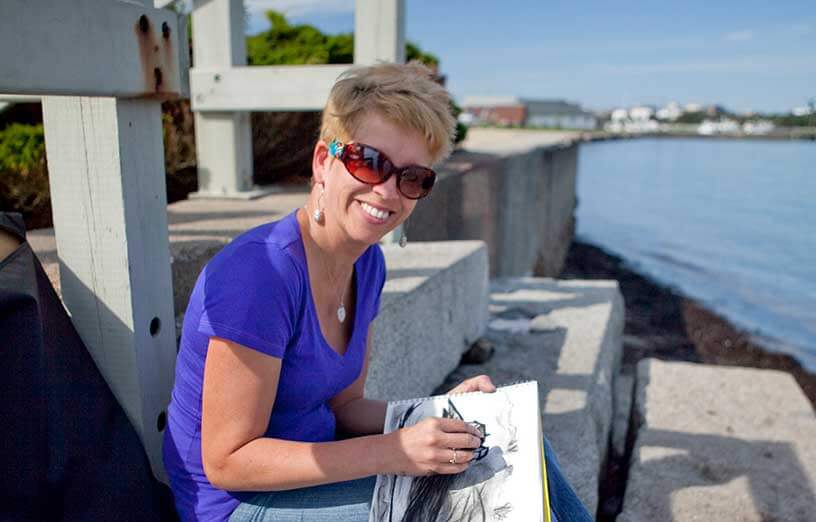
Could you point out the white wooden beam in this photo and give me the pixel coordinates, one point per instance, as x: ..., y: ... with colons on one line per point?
x: 379, y: 31
x: 268, y: 88
x: 223, y: 139
x: 92, y: 48
x: 106, y: 169
x: 19, y: 98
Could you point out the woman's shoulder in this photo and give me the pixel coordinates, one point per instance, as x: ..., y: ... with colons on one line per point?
x: 281, y: 235
x: 268, y: 251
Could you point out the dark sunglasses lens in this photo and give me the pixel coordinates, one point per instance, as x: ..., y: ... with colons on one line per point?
x: 416, y: 182
x: 365, y: 164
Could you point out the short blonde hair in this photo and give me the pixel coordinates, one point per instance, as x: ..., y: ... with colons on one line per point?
x: 404, y: 94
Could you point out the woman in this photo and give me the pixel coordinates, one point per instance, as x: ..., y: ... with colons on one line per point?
x: 277, y: 334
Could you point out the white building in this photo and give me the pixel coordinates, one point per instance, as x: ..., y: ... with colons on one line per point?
x: 670, y: 112
x: 641, y: 113
x: 724, y: 126
x: 619, y: 115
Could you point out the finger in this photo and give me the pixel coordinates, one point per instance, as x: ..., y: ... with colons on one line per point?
x: 451, y: 469
x: 445, y: 456
x: 461, y: 440
x: 483, y: 383
x: 457, y: 426
x: 461, y: 388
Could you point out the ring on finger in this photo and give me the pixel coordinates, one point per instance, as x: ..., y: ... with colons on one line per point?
x: 453, y: 460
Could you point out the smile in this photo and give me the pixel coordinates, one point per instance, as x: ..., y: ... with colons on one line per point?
x: 374, y: 212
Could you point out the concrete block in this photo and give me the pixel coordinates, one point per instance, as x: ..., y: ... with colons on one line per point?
x: 575, y: 359
x: 434, y: 305
x: 719, y: 443
x: 521, y: 205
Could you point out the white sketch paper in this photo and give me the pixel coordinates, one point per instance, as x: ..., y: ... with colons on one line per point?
x: 504, y: 482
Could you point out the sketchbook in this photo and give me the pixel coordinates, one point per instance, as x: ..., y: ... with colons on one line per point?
x: 507, y: 479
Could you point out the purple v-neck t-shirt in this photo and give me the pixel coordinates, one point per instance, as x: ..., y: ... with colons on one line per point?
x: 256, y: 292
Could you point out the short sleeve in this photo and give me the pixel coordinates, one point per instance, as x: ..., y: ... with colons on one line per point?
x: 252, y: 296
x: 380, y: 270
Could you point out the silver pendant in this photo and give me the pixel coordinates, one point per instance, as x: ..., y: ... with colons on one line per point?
x: 341, y: 313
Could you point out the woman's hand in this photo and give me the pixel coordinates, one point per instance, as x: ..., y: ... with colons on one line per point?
x: 427, y: 447
x: 480, y: 383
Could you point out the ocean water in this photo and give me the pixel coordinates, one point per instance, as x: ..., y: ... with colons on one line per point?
x: 731, y: 223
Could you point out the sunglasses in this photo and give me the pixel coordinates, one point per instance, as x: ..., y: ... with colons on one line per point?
x: 372, y: 167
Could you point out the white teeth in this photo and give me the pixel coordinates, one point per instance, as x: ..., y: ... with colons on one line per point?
x: 379, y: 214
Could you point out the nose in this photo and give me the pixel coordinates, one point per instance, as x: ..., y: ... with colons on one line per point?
x: 387, y: 190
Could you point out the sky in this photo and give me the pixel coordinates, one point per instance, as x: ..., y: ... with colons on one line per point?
x: 745, y: 55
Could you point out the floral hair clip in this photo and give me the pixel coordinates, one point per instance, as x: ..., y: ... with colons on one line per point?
x: 336, y: 149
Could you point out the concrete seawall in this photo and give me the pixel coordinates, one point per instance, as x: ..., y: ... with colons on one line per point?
x: 522, y: 205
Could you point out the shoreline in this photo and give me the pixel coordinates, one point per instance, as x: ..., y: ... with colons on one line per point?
x: 666, y: 325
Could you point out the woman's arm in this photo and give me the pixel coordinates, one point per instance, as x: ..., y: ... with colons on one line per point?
x: 239, y: 391
x: 355, y: 414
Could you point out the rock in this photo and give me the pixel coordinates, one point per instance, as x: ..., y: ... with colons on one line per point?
x: 543, y: 323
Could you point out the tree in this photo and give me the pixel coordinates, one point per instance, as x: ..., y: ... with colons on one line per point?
x: 304, y: 44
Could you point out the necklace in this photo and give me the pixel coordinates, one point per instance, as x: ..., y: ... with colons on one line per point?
x: 341, y: 310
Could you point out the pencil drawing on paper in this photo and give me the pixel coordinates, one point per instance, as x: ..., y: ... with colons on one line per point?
x: 487, y: 490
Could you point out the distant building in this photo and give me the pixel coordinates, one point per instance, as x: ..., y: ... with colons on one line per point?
x: 619, y: 115
x: 497, y: 110
x: 558, y: 114
x: 723, y: 126
x: 715, y: 111
x: 511, y: 111
x: 641, y: 113
x: 670, y: 112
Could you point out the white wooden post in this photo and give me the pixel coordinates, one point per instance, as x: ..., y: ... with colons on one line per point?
x: 106, y: 170
x: 223, y: 139
x: 379, y: 31
x: 379, y: 36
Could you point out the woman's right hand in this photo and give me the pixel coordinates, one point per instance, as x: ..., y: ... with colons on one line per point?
x: 426, y: 448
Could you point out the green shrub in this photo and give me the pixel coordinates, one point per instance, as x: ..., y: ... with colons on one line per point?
x: 23, y: 172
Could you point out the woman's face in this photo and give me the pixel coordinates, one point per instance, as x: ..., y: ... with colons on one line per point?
x: 347, y: 202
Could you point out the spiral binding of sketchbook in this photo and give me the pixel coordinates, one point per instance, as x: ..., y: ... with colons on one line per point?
x: 502, y: 480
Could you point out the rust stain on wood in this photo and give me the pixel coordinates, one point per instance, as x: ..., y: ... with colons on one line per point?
x: 157, y: 59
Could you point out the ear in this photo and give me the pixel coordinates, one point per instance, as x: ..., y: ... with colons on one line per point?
x: 321, y: 162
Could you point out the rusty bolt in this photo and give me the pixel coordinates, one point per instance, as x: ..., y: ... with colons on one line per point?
x: 165, y: 30
x: 157, y: 75
x: 144, y: 23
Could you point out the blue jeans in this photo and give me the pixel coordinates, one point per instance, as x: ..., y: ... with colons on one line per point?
x: 351, y: 501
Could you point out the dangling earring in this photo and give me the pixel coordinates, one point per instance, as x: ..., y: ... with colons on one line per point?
x: 318, y: 212
x: 403, y: 240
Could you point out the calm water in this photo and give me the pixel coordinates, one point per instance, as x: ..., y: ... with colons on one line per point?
x: 730, y: 223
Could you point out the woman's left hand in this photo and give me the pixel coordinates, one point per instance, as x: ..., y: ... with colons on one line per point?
x: 480, y: 383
